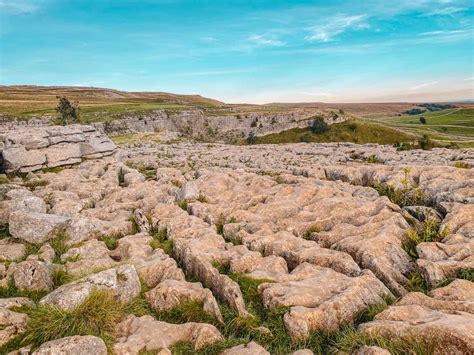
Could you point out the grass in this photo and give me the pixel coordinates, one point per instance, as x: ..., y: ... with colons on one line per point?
x: 416, y: 282
x: 110, y: 240
x: 428, y: 231
x: 4, y: 180
x: 160, y: 240
x: 34, y: 184
x: 61, y: 277
x: 59, y: 245
x: 4, y: 232
x: 462, y: 165
x: 12, y: 291
x: 453, y: 125
x: 97, y: 316
x: 309, y: 232
x: 183, y: 205
x: 54, y: 170
x: 356, y: 131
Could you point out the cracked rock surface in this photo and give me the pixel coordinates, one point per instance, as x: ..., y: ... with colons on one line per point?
x: 240, y: 233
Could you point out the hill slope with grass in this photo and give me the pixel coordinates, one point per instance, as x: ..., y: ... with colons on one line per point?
x: 356, y: 131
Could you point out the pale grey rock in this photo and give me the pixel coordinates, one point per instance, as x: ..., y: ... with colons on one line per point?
x: 74, y: 345
x: 123, y: 281
x: 251, y: 348
x: 10, y: 250
x: 35, y: 228
x: 32, y: 275
x: 188, y: 192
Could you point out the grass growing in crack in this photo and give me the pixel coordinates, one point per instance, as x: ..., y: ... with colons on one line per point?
x: 160, y: 240
x: 4, y: 231
x: 466, y: 274
x: 203, y: 199
x: 221, y: 221
x: 462, y: 165
x: 428, y: 231
x: 12, y: 291
x: 110, y: 240
x: 372, y: 310
x: 59, y: 245
x: 134, y: 223
x: 61, y: 277
x: 416, y: 282
x: 34, y: 184
x: 97, y: 316
x: 309, y: 232
x: 4, y: 180
x: 183, y: 205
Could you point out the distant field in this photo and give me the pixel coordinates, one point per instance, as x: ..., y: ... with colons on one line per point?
x: 453, y: 125
x: 356, y: 131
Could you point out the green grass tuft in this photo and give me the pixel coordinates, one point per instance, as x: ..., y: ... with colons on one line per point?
x: 160, y: 240
x: 110, y: 240
x: 12, y: 291
x: 61, y: 277
x: 97, y: 316
x: 59, y: 245
x: 33, y: 184
x: 429, y: 231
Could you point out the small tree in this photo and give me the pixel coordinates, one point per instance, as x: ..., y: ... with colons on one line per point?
x: 422, y: 120
x: 425, y: 142
x: 68, y: 110
x: 252, y: 138
x: 319, y: 126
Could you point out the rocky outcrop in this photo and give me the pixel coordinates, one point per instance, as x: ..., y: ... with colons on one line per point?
x: 138, y: 334
x: 51, y: 146
x: 198, y: 124
x: 75, y: 345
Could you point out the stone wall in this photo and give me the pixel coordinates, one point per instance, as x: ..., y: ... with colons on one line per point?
x: 196, y: 124
x: 32, y: 148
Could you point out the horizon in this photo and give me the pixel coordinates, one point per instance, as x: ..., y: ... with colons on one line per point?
x: 235, y: 52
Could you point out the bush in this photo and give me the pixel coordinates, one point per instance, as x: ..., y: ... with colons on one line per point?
x: 425, y: 142
x: 319, y: 126
x: 69, y: 111
x: 422, y: 120
x: 251, y: 139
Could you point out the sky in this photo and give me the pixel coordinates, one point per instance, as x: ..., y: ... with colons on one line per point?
x: 237, y: 51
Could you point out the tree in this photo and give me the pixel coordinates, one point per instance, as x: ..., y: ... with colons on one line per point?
x: 252, y: 138
x: 319, y: 126
x: 422, y: 120
x: 68, y: 110
x: 425, y: 142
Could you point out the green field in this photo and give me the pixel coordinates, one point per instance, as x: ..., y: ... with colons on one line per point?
x: 356, y: 131
x: 453, y: 125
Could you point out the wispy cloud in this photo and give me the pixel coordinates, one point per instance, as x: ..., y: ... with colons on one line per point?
x: 442, y: 33
x: 445, y: 11
x: 265, y: 41
x: 423, y: 85
x: 19, y: 7
x: 214, y: 72
x: 335, y: 26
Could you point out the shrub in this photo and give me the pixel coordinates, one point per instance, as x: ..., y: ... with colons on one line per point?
x: 251, y: 139
x: 462, y: 165
x: 425, y: 142
x: 319, y: 125
x: 69, y: 111
x: 422, y: 120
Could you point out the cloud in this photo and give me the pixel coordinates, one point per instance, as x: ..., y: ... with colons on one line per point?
x: 445, y: 11
x: 421, y: 86
x: 441, y: 33
x: 265, y: 41
x: 19, y: 7
x: 335, y: 26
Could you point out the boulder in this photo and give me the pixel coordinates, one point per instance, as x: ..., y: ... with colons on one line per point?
x: 73, y: 345
x: 32, y: 275
x: 35, y: 228
x: 11, y: 324
x: 187, y: 192
x: 139, y: 334
x: 123, y: 281
x: 251, y: 348
x: 11, y: 251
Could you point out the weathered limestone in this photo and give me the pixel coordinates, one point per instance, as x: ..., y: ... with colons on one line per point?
x: 251, y: 348
x: 74, y: 345
x: 10, y: 251
x: 445, y: 320
x: 35, y: 228
x: 32, y: 275
x: 135, y: 334
x: 122, y: 281
x: 170, y: 293
x: 35, y: 148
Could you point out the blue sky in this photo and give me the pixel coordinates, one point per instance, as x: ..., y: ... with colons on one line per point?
x: 245, y: 51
